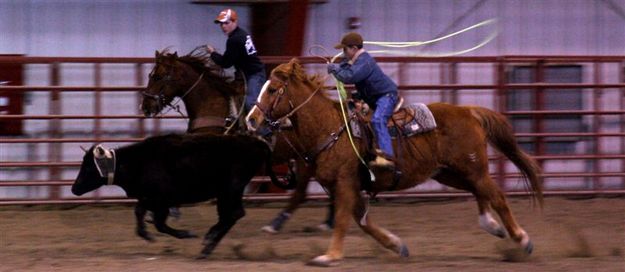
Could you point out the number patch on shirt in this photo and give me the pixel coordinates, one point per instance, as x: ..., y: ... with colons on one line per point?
x: 249, y: 45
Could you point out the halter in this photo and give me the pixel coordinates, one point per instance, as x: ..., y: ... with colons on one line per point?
x: 105, y: 162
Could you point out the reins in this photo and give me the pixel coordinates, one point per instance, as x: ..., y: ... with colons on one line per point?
x: 175, y: 105
x: 295, y: 109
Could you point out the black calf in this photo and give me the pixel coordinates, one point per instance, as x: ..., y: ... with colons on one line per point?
x: 167, y: 171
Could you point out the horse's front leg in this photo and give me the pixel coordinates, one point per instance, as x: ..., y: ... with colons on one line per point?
x: 302, y: 178
x: 140, y: 212
x: 230, y: 210
x: 345, y: 198
x: 160, y: 222
x: 383, y: 236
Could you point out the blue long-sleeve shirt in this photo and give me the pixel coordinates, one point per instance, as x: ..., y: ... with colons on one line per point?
x: 371, y: 83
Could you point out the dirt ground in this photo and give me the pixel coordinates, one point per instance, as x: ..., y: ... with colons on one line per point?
x: 568, y: 235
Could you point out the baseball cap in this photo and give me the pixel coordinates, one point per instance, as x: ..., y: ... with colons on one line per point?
x: 349, y: 39
x: 225, y: 15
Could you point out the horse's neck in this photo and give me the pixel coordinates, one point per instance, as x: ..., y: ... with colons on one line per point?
x: 317, y: 120
x: 202, y: 101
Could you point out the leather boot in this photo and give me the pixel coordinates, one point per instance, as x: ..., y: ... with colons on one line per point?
x: 382, y: 162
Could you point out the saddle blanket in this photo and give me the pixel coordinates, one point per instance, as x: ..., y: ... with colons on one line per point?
x: 412, y: 120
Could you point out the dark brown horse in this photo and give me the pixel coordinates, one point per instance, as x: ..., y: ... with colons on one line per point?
x: 453, y: 154
x: 209, y: 98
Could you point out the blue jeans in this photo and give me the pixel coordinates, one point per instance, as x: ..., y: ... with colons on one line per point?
x: 383, y: 111
x: 254, y: 84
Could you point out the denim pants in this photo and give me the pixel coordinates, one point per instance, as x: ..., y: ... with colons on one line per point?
x: 254, y: 84
x: 383, y: 111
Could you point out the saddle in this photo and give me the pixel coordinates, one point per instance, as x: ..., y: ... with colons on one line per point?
x: 406, y: 121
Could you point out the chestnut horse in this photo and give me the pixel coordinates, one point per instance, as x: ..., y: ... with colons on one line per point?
x: 453, y: 154
x: 209, y: 98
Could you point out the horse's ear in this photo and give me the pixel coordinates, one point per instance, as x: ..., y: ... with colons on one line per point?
x: 156, y: 53
x: 294, y: 64
x: 176, y: 54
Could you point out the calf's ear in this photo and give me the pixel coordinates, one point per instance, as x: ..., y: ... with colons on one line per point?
x: 99, y: 152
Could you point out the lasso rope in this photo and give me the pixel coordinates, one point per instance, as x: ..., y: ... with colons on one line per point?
x: 340, y: 87
x: 486, y: 40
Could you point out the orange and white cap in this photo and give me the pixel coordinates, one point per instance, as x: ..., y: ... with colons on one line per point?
x: 225, y: 15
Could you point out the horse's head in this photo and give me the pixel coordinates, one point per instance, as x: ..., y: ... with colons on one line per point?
x: 274, y: 100
x: 163, y: 85
x: 288, y: 89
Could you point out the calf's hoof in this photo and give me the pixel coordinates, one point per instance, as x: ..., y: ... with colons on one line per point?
x: 202, y: 256
x: 146, y: 236
x: 323, y: 261
x: 184, y: 234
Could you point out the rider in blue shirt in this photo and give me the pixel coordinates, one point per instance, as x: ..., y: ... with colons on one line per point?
x: 374, y: 87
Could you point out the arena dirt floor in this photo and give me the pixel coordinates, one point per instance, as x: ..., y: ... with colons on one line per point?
x: 443, y: 235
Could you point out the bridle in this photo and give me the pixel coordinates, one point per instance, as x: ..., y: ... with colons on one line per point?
x: 274, y: 122
x: 162, y: 100
x: 282, y: 90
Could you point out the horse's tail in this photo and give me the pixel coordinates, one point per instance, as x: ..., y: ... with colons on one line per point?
x: 500, y: 134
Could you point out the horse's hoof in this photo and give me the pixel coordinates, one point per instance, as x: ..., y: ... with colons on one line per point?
x: 403, y: 251
x: 323, y: 261
x: 202, y: 256
x: 501, y: 233
x: 529, y: 247
x: 269, y: 229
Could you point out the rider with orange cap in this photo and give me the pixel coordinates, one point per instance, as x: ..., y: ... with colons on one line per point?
x: 241, y: 53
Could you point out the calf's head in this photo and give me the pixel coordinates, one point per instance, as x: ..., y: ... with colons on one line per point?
x: 97, y: 169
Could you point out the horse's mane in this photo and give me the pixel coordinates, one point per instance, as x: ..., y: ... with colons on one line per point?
x: 295, y: 69
x: 199, y: 60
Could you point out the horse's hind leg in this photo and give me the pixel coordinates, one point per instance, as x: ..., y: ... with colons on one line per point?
x: 487, y: 192
x: 486, y: 220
